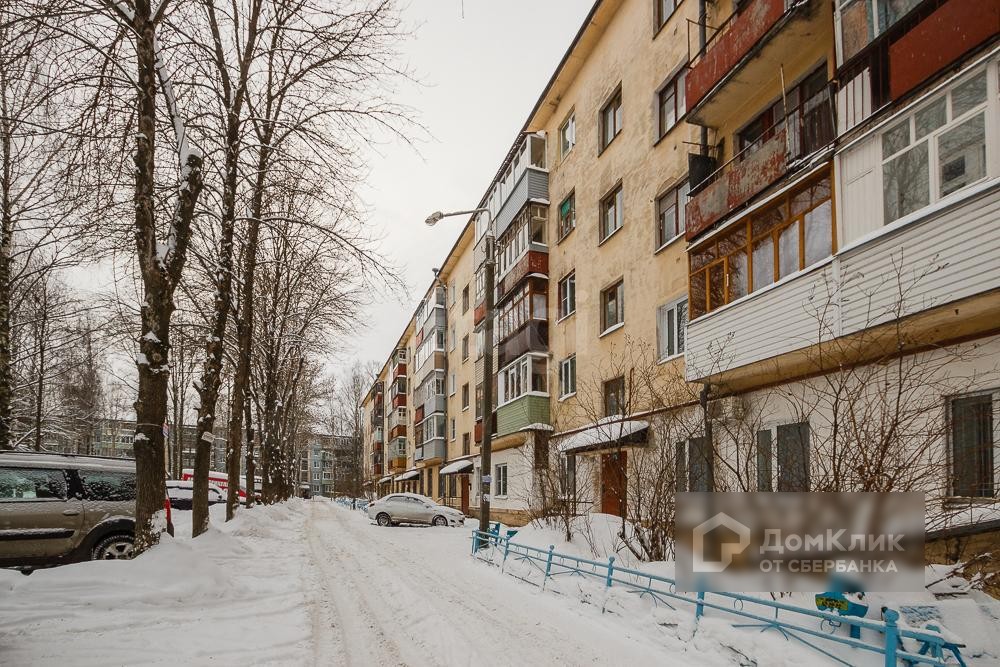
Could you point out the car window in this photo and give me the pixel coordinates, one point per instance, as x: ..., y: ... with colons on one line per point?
x: 104, y: 485
x: 32, y: 484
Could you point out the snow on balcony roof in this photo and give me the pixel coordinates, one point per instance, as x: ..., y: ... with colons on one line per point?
x: 456, y: 466
x: 409, y: 474
x: 387, y: 478
x: 604, y: 432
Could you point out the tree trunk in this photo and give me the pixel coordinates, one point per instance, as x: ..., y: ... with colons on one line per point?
x: 40, y: 384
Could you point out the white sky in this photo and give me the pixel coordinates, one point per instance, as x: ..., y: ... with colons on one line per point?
x: 481, y: 76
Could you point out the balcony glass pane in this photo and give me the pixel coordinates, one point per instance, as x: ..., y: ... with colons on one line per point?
x: 788, y: 250
x: 930, y: 118
x: 819, y: 234
x: 962, y: 155
x: 968, y: 95
x: 905, y: 184
x: 763, y: 263
x: 737, y: 265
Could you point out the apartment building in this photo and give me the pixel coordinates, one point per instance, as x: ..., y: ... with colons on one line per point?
x: 618, y: 178
x: 753, y: 250
x: 843, y: 246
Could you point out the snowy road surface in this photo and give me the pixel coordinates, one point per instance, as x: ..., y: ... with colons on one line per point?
x: 313, y: 583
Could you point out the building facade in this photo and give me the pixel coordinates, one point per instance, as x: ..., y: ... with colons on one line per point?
x: 739, y: 246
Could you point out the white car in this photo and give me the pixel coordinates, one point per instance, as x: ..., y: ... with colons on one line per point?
x: 398, y: 508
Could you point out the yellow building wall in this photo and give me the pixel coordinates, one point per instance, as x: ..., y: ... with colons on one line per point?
x: 628, y: 54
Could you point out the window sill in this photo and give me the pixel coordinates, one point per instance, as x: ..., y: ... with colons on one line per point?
x: 606, y: 146
x: 613, y: 328
x: 670, y: 358
x: 610, y: 236
x: 665, y: 133
x: 465, y: 408
x: 566, y: 235
x: 567, y: 396
x: 668, y: 243
x: 565, y: 317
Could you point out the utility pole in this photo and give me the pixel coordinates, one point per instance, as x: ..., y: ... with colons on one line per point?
x: 489, y: 279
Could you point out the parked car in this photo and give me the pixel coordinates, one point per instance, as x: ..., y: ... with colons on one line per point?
x: 57, y: 508
x: 181, y: 492
x: 398, y: 508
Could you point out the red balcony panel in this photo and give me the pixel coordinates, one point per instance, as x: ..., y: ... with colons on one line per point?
x: 480, y: 313
x: 533, y: 262
x: 737, y: 184
x: 738, y: 37
x: 399, y: 369
x: 377, y: 469
x: 399, y: 400
x: 397, y: 431
x: 479, y: 431
x: 418, y: 415
x: 939, y: 40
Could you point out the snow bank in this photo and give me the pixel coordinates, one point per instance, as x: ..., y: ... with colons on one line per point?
x: 183, y: 602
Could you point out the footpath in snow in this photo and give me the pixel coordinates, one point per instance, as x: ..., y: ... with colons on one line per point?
x: 309, y: 582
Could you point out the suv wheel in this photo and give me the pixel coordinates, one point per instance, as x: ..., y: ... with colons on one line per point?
x: 439, y: 521
x: 114, y: 547
x: 383, y: 519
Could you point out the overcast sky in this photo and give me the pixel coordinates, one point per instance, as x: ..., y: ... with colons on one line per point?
x: 481, y: 75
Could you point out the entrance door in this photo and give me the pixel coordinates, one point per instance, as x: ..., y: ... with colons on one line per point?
x: 463, y: 482
x: 614, y: 482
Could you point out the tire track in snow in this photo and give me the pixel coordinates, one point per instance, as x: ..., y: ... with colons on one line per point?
x: 343, y: 610
x: 427, y: 599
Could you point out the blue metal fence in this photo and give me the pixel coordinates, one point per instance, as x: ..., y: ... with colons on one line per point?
x: 896, y: 644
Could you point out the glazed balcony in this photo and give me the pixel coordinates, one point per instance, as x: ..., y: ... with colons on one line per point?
x: 378, y: 436
x: 522, y: 412
x: 431, y: 451
x: 746, y: 52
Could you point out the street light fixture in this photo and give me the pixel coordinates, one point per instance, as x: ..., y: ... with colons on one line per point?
x: 489, y: 268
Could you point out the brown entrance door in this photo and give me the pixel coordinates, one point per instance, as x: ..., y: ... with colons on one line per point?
x: 614, y: 482
x: 463, y: 482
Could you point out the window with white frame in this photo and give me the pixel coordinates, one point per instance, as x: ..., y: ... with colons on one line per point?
x: 671, y: 105
x: 937, y: 149
x: 567, y: 376
x: 527, y: 228
x: 452, y: 384
x: 664, y: 10
x: 671, y: 319
x: 500, y: 480
x: 453, y: 430
x: 567, y: 135
x: 671, y: 220
x: 611, y: 212
x: 525, y: 376
x: 452, y: 342
x: 567, y: 295
x: 783, y: 457
x: 974, y: 431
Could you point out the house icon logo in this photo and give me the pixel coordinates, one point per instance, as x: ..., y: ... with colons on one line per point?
x: 728, y: 549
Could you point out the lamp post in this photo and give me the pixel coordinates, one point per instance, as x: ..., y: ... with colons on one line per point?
x: 489, y: 267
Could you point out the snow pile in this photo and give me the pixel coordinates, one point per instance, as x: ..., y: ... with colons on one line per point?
x: 183, y: 602
x: 604, y: 431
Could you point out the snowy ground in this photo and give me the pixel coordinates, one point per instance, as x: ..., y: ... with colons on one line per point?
x: 313, y: 583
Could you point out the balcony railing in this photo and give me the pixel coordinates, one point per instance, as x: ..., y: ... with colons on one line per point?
x: 434, y: 449
x: 733, y: 39
x: 806, y: 130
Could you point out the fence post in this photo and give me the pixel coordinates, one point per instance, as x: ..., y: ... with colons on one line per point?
x: 548, y: 565
x: 611, y: 569
x: 699, y: 608
x: 506, y: 549
x: 890, y: 616
x: 474, y: 539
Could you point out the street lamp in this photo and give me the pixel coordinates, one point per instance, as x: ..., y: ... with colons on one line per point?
x: 489, y: 267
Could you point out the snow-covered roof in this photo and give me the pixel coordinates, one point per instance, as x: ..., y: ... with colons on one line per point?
x: 605, y: 431
x: 387, y: 478
x: 409, y: 474
x: 456, y: 466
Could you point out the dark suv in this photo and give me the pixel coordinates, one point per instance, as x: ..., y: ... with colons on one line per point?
x: 57, y: 508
